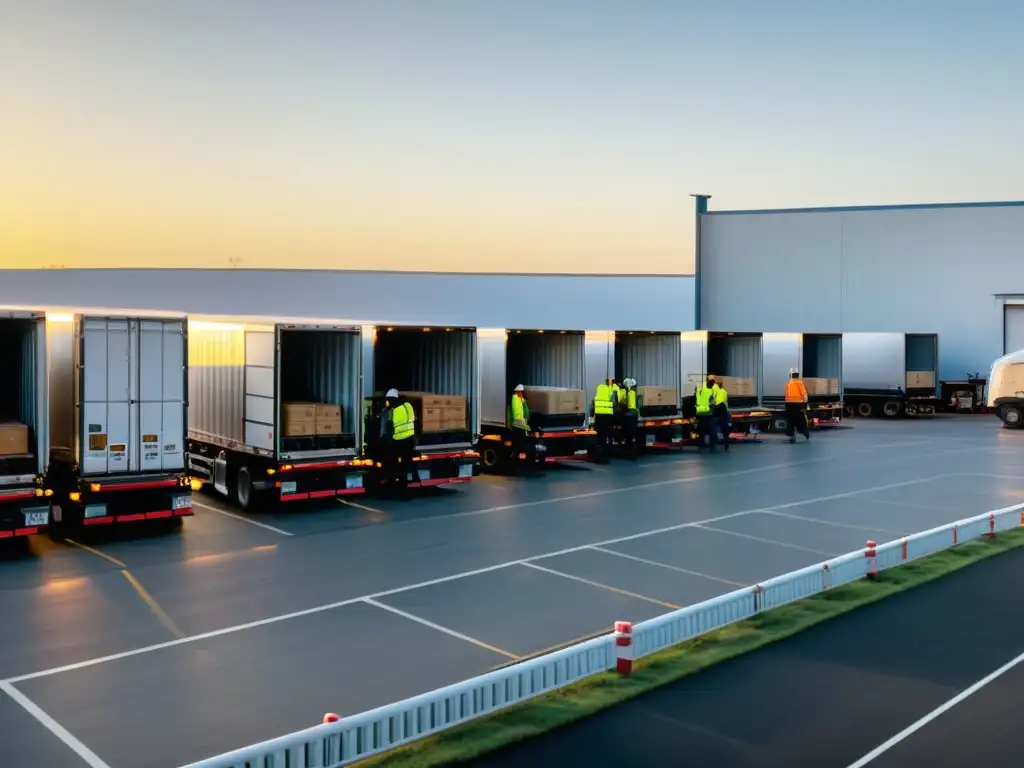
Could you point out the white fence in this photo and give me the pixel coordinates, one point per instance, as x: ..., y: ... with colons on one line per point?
x: 370, y: 733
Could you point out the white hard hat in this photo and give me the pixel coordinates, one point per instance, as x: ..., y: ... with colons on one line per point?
x: 392, y: 393
x: 519, y: 388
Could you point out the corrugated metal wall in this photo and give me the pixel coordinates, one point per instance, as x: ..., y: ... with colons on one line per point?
x: 553, y: 359
x: 735, y: 356
x: 922, y: 352
x: 438, y: 361
x: 823, y: 356
x: 216, y: 360
x: 322, y: 366
x: 651, y: 359
x: 18, y: 380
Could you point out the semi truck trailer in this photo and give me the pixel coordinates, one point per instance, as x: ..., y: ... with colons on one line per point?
x: 818, y: 360
x: 539, y: 360
x: 890, y: 374
x: 1006, y: 389
x: 118, y: 407
x: 274, y: 410
x: 24, y: 425
x: 654, y: 360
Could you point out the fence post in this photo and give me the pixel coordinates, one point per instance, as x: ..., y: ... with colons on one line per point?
x: 955, y: 536
x: 623, y: 647
x: 824, y: 577
x: 758, y: 589
x: 870, y: 560
x: 903, y: 548
x: 991, y: 526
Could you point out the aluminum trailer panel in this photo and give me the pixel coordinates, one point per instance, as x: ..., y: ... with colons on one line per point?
x: 874, y: 361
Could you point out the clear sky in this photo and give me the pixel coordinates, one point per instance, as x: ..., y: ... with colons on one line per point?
x: 478, y: 135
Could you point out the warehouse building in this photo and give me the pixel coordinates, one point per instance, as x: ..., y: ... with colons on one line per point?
x: 956, y: 270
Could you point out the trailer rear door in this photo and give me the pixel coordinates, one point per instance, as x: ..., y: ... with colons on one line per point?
x: 260, y: 388
x: 131, y: 384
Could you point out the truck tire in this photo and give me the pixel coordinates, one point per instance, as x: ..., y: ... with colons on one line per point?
x: 1011, y: 416
x: 891, y: 408
x: 244, y: 492
x: 490, y: 459
x: 865, y: 409
x: 848, y: 411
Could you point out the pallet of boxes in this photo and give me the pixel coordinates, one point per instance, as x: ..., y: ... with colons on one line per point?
x: 654, y: 401
x: 13, y: 439
x: 310, y: 420
x: 921, y: 380
x: 738, y: 386
x: 819, y: 387
x: 556, y: 407
x: 437, y: 414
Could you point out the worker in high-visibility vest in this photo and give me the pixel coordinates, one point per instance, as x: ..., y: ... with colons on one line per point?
x: 796, y: 402
x: 706, y: 427
x: 523, y: 446
x: 604, y: 416
x: 398, y: 423
x: 720, y: 410
x: 630, y: 417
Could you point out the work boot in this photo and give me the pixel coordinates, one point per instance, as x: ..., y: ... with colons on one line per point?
x: 792, y: 439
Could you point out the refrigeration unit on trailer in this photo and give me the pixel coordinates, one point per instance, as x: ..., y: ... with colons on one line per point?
x: 24, y: 427
x: 734, y: 359
x: 1006, y: 389
x: 118, y: 409
x: 435, y: 368
x: 654, y: 361
x: 274, y: 414
x: 817, y: 358
x: 558, y: 371
x: 890, y: 374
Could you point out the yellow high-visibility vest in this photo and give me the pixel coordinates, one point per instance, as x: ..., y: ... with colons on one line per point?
x: 403, y: 419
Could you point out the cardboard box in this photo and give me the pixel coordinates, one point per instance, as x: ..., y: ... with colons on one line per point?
x: 327, y: 426
x: 453, y: 417
x: 555, y: 400
x: 920, y: 380
x: 431, y: 419
x: 298, y: 411
x: 13, y: 438
x: 738, y: 386
x: 651, y: 395
x: 328, y: 411
x: 421, y: 401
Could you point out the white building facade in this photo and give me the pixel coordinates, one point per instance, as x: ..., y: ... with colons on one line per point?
x: 955, y: 270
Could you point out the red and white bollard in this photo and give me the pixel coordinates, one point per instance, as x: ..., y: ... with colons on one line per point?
x: 870, y: 558
x: 330, y: 717
x: 991, y: 526
x: 956, y: 536
x: 623, y: 635
x: 903, y: 548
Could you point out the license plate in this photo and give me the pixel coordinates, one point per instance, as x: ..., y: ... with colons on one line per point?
x: 37, y: 518
x: 650, y: 439
x: 182, y: 502
x: 466, y: 470
x: 289, y: 487
x: 95, y: 510
x: 353, y: 481
x: 755, y: 431
x: 424, y: 474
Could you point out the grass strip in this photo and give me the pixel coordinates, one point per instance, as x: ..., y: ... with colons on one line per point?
x: 553, y: 710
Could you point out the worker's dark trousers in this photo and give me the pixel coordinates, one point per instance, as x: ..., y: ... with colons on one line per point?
x: 629, y: 422
x: 604, y: 424
x: 722, y: 422
x: 523, y: 444
x: 796, y: 419
x: 707, y: 429
x: 400, y: 464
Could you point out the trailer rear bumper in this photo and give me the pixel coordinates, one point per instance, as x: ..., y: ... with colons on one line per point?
x: 24, y: 511
x: 318, y: 480
x: 107, y: 501
x: 557, y: 447
x: 663, y: 433
x: 448, y: 468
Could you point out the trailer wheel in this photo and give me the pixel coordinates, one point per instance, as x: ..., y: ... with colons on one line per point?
x: 865, y: 409
x: 891, y: 408
x: 490, y: 461
x: 1011, y: 416
x: 243, y: 489
x: 848, y: 411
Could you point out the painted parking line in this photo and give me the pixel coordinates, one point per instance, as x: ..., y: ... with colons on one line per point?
x: 667, y: 566
x: 96, y: 553
x: 363, y: 507
x: 453, y: 577
x: 936, y: 713
x: 232, y: 515
x: 616, y: 590
x: 438, y: 627
x: 833, y: 523
x: 763, y: 540
x: 58, y: 730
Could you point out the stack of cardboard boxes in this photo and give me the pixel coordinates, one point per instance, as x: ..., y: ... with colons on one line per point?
x: 738, y: 386
x: 438, y: 413
x: 920, y: 380
x: 13, y: 438
x: 648, y: 396
x: 555, y: 401
x: 310, y: 419
x: 821, y: 386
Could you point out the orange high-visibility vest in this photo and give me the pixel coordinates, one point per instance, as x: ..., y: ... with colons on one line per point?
x: 795, y: 391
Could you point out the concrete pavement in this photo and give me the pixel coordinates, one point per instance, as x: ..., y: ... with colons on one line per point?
x: 278, y: 618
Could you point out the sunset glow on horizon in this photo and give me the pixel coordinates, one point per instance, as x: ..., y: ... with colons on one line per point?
x: 469, y: 136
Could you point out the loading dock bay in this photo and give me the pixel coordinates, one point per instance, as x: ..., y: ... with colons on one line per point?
x: 155, y: 652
